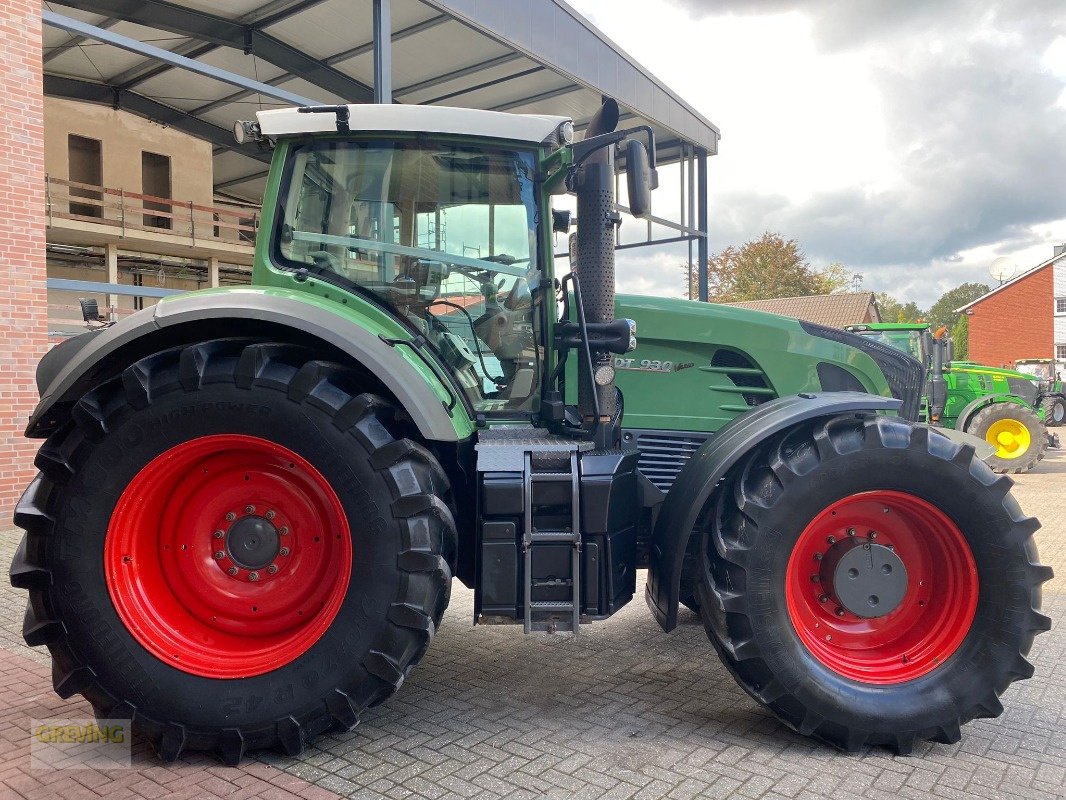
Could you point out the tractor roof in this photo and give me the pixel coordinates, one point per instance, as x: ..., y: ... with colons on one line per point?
x: 396, y: 118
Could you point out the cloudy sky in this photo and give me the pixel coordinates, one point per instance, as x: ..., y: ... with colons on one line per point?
x: 912, y: 141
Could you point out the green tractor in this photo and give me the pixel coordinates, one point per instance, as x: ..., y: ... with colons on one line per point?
x: 252, y: 501
x: 1001, y: 406
x: 1052, y: 393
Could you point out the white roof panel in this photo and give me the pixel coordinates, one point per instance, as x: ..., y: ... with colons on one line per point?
x: 420, y: 119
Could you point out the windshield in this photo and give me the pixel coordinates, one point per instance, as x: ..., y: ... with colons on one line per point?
x: 910, y: 342
x: 444, y: 235
x: 1037, y: 368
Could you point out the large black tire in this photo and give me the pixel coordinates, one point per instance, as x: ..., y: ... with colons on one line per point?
x: 763, y: 509
x: 393, y: 494
x: 1054, y: 407
x: 1017, y: 414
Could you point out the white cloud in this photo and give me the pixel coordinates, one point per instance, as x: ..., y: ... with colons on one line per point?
x: 909, y: 141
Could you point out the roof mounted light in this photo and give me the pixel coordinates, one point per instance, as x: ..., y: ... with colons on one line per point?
x: 566, y: 132
x: 246, y: 130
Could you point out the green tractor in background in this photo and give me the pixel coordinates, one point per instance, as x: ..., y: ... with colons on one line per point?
x: 1052, y: 393
x: 1001, y: 406
x: 252, y: 501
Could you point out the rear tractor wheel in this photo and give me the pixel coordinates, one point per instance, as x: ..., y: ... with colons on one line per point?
x: 234, y: 548
x: 871, y: 582
x: 1016, y: 433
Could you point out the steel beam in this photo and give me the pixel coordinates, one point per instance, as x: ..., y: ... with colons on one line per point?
x: 230, y: 33
x: 446, y: 77
x: 87, y: 91
x: 382, y: 51
x: 94, y: 287
x: 132, y: 45
x: 701, y: 220
x: 75, y: 41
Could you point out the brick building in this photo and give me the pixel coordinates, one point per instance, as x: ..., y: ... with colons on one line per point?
x: 1023, y: 318
x: 23, y: 283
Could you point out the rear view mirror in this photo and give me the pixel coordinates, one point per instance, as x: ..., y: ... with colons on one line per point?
x: 640, y: 178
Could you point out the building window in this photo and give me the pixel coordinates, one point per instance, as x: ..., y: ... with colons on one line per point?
x: 155, y: 182
x: 1060, y: 352
x: 85, y: 167
x: 1060, y: 305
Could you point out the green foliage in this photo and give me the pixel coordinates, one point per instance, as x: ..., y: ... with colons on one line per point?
x: 960, y: 334
x: 894, y: 311
x: 943, y: 310
x: 769, y: 267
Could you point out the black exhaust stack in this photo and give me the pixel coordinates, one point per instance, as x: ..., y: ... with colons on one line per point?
x: 596, y: 223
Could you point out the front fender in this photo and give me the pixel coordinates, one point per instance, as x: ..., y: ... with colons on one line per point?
x: 71, y: 369
x: 700, y: 476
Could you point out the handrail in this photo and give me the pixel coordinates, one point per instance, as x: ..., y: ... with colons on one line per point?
x: 121, y: 208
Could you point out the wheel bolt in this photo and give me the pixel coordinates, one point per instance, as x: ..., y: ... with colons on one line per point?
x: 249, y: 509
x: 232, y: 571
x: 829, y: 637
x: 817, y: 556
x: 839, y: 612
x: 873, y: 534
x: 231, y: 516
x: 283, y: 551
x: 823, y: 598
x: 219, y: 555
x: 219, y: 534
x: 272, y: 568
x: 851, y: 531
x: 814, y: 579
x: 283, y: 531
x: 270, y: 515
x: 831, y: 539
x: 886, y: 509
x: 890, y: 547
x: 253, y: 576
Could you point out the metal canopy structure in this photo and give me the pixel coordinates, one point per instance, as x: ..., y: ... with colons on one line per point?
x: 198, y: 65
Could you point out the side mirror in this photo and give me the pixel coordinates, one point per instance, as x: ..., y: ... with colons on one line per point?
x: 640, y: 178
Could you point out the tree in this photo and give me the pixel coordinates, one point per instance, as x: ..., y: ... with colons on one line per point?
x: 960, y: 334
x: 894, y: 311
x: 943, y: 310
x: 768, y: 267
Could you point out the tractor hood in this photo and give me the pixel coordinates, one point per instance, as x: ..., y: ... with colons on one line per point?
x: 999, y: 372
x: 677, y: 374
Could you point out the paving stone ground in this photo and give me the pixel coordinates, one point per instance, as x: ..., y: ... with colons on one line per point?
x: 622, y: 711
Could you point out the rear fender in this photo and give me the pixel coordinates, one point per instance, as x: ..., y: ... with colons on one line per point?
x: 697, y: 481
x: 74, y: 367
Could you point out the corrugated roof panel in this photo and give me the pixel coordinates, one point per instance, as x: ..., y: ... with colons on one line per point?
x: 327, y: 28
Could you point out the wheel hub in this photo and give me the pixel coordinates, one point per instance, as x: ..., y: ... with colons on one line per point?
x: 253, y: 542
x: 867, y: 579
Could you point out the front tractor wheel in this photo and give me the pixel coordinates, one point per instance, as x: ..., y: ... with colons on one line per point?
x: 235, y: 548
x: 871, y: 582
x: 1016, y: 433
x: 1054, y: 407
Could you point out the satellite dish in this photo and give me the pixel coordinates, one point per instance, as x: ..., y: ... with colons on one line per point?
x: 1002, y: 269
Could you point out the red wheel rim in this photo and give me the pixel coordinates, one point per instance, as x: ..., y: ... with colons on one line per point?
x: 937, y: 608
x: 228, y: 556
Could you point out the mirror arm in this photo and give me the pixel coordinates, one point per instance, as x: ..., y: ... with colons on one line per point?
x: 586, y: 147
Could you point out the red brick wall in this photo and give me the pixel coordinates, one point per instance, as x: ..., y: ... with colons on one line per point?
x: 23, y: 292
x: 1015, y: 323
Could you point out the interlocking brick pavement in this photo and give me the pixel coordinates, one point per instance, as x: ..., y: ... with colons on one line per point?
x: 622, y: 711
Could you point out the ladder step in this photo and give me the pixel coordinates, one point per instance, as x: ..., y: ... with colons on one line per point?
x: 555, y: 584
x: 546, y: 477
x: 555, y: 536
x: 551, y: 605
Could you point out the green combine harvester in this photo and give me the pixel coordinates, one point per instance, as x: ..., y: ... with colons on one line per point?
x: 1001, y: 406
x: 1052, y: 392
x: 252, y: 501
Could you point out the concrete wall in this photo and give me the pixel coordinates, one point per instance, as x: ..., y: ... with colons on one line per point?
x: 1015, y: 322
x: 123, y: 138
x: 23, y: 324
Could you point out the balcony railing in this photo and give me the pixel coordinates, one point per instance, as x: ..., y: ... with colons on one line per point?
x: 130, y: 212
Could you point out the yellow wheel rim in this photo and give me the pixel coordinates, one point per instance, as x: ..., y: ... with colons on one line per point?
x: 1009, y: 436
